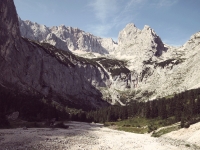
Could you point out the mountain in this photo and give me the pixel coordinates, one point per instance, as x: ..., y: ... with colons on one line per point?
x: 66, y: 37
x: 174, y: 71
x: 146, y: 68
x: 31, y: 67
x: 156, y: 69
x: 140, y: 45
x: 139, y: 67
x: 131, y: 39
x: 134, y: 45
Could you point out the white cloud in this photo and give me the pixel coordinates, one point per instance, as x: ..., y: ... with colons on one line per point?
x: 134, y: 3
x: 166, y: 3
x: 104, y: 9
x: 112, y: 14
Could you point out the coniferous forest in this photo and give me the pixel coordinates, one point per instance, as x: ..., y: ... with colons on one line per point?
x: 184, y: 107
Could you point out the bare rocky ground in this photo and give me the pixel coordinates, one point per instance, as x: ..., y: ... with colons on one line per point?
x: 85, y: 136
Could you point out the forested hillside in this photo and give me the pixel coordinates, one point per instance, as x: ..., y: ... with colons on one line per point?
x: 184, y: 107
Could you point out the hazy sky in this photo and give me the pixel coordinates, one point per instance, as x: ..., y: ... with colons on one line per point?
x: 173, y: 20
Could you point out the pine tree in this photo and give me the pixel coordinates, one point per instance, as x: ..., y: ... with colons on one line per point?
x: 172, y: 107
x: 147, y: 110
x: 198, y: 105
x: 154, y: 109
x: 178, y: 109
x: 182, y: 121
x: 162, y: 109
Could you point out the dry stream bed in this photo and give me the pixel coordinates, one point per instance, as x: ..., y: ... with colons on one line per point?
x: 88, y: 136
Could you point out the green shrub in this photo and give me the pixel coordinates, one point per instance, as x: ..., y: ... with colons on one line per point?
x: 187, y: 145
x: 164, y: 131
x: 106, y: 124
x: 187, y: 125
x: 151, y: 128
x: 127, y: 125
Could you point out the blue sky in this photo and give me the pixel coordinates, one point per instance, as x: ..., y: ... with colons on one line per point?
x: 173, y: 20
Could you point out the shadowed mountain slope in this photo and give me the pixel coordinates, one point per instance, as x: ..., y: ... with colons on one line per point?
x: 30, y: 67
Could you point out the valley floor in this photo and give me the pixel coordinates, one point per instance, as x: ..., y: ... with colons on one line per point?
x: 85, y: 136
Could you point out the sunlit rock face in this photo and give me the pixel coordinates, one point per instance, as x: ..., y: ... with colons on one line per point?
x: 30, y: 67
x: 155, y: 69
x: 139, y: 45
x: 66, y: 38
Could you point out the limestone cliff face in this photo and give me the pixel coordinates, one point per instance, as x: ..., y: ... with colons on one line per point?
x: 31, y: 66
x: 66, y: 37
x: 131, y: 39
x: 176, y: 70
x: 152, y: 69
x: 139, y: 45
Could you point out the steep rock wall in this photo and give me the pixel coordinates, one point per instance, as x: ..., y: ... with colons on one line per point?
x: 31, y: 67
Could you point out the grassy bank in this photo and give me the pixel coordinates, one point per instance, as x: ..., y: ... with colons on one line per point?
x: 142, y: 125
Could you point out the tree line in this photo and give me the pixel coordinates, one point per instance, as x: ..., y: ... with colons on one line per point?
x: 31, y: 107
x: 184, y: 107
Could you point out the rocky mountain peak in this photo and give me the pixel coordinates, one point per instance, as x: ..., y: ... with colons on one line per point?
x: 62, y: 26
x: 9, y: 32
x: 195, y: 37
x: 128, y: 33
x: 146, y: 27
x: 133, y: 38
x: 148, y: 30
x: 68, y: 37
x: 139, y: 46
x: 192, y: 46
x: 9, y: 23
x: 130, y: 25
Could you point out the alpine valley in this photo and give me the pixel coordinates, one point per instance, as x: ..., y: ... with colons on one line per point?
x: 76, y: 68
x: 52, y: 79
